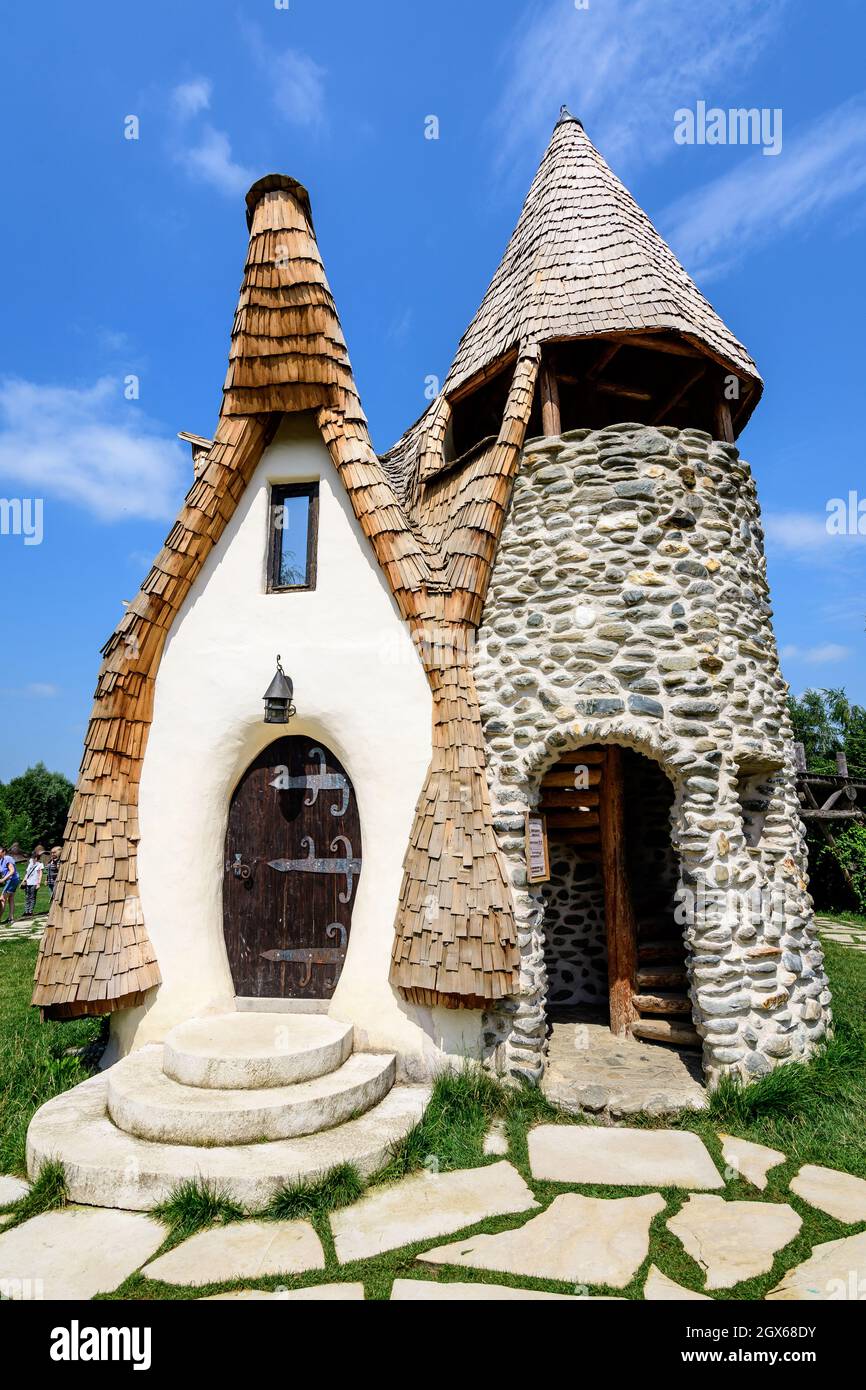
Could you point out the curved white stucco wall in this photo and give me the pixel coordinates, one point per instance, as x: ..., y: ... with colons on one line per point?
x: 359, y: 688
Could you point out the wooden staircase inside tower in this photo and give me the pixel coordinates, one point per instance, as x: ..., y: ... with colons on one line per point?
x: 583, y: 800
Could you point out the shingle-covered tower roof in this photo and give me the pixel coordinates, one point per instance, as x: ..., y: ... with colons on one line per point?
x: 585, y: 260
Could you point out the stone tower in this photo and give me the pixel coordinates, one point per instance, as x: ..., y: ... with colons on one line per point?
x: 626, y: 639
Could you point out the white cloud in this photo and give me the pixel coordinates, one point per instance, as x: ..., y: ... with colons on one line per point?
x: 42, y: 690
x: 204, y: 151
x: 821, y: 168
x: 296, y: 81
x: 804, y: 536
x: 189, y: 98
x: 624, y: 67
x: 297, y: 87
x: 210, y: 161
x: 823, y: 655
x: 88, y: 446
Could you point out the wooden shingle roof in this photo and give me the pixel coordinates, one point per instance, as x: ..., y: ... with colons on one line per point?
x: 585, y: 260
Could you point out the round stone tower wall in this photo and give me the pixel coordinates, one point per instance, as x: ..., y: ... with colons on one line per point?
x: 629, y: 605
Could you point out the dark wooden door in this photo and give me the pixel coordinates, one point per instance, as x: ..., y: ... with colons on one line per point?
x: 292, y: 862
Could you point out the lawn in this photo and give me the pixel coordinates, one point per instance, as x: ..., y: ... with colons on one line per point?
x: 36, y: 1059
x: 812, y: 1113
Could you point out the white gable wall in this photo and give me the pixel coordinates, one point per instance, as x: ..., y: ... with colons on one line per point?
x: 359, y: 688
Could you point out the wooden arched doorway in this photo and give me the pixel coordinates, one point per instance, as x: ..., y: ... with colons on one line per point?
x: 292, y: 863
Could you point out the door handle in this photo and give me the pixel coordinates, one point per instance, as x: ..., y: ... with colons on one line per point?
x: 239, y: 868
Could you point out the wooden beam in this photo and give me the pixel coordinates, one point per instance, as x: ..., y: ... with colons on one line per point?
x: 607, y: 355
x: 616, y: 388
x: 677, y: 396
x: 551, y: 420
x: 724, y: 423
x: 662, y: 1030
x: 678, y: 346
x: 619, y: 918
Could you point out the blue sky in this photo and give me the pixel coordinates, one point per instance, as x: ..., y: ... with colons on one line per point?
x: 123, y: 257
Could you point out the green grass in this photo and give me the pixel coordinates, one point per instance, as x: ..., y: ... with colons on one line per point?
x: 193, y: 1206
x: 813, y: 1113
x: 338, y: 1188
x: 34, y: 1057
x: 47, y: 1193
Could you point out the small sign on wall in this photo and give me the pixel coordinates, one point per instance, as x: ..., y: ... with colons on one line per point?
x: 537, y: 855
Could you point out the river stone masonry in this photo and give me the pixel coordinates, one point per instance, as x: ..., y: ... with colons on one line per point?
x: 629, y: 604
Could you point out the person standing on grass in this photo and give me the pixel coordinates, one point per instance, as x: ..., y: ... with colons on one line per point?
x: 32, y: 880
x: 53, y: 869
x: 9, y: 881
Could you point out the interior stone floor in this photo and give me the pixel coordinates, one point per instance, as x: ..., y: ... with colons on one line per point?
x: 590, y: 1070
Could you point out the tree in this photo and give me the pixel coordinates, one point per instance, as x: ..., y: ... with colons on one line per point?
x: 827, y: 723
x: 34, y: 807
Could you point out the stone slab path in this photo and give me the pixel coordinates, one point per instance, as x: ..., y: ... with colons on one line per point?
x: 733, y: 1241
x: 325, y: 1293
x: 427, y: 1205
x: 838, y: 1194
x: 24, y: 929
x: 750, y: 1161
x: 241, y: 1250
x: 578, y: 1154
x: 431, y: 1290
x: 659, y: 1288
x: 835, y: 1270
x: 846, y: 933
x: 75, y: 1253
x: 579, y: 1240
x: 590, y: 1070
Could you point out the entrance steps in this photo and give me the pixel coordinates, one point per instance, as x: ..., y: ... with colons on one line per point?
x: 247, y: 1101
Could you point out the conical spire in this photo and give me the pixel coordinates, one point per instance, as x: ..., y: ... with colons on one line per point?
x: 585, y: 260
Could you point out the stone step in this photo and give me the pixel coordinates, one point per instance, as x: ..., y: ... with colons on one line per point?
x: 251, y: 1051
x: 145, y: 1102
x: 106, y: 1168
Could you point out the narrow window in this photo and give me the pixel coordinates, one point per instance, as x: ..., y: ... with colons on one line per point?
x: 294, y: 525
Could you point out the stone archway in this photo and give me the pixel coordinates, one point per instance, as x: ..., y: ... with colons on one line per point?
x: 554, y: 958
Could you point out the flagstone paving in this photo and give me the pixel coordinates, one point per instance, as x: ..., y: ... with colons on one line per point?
x: 427, y: 1205
x: 659, y: 1287
x: 850, y: 934
x: 27, y: 929
x: 621, y: 1157
x: 332, y: 1293
x: 733, y: 1241
x: 75, y: 1253
x: 430, y: 1290
x: 835, y: 1270
x: 12, y: 1189
x: 752, y: 1161
x: 580, y: 1240
x: 241, y: 1250
x: 838, y: 1194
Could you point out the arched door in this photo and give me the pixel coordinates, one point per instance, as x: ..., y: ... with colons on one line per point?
x: 292, y: 862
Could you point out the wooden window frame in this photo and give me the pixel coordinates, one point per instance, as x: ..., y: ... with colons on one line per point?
x: 279, y: 493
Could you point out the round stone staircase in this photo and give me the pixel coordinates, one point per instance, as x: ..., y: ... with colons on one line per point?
x: 246, y: 1101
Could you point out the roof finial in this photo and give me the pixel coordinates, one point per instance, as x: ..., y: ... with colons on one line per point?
x: 565, y: 116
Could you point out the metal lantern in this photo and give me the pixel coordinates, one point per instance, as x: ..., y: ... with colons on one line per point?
x: 279, y: 707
